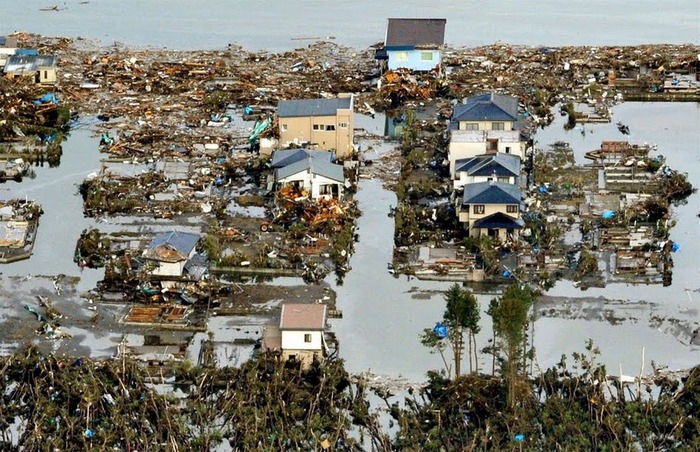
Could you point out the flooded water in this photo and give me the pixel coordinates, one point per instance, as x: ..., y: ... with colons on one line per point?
x: 280, y: 25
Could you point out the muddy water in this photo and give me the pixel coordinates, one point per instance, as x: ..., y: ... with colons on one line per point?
x: 280, y: 25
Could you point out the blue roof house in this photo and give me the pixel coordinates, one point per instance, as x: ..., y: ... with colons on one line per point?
x: 488, y: 167
x: 169, y: 252
x: 491, y: 208
x: 414, y: 44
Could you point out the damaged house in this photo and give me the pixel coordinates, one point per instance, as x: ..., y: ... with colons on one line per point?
x: 491, y: 208
x: 308, y: 171
x: 41, y: 68
x: 300, y: 335
x: 414, y: 44
x: 8, y: 47
x: 317, y: 124
x: 485, y: 124
x: 169, y: 253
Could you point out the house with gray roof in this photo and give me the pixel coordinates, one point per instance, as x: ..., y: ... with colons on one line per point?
x: 312, y: 172
x: 317, y: 124
x: 40, y: 68
x: 414, y: 44
x: 485, y: 168
x: 485, y: 124
x: 491, y: 208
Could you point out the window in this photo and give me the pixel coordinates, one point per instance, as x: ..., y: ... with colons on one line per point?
x: 318, y: 127
x: 343, y: 125
x: 465, y: 208
x: 307, y: 338
x: 503, y: 179
x: 284, y: 127
x: 426, y: 56
x: 498, y: 126
x: 46, y: 74
x: 471, y: 126
x: 330, y: 128
x: 478, y: 208
x: 401, y: 56
x: 507, y: 149
x: 512, y: 208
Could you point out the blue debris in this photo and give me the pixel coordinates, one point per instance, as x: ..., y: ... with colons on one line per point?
x: 543, y: 189
x: 48, y: 98
x: 89, y: 433
x: 248, y: 110
x: 440, y: 330
x: 675, y: 247
x: 608, y: 214
x: 519, y: 437
x: 507, y: 273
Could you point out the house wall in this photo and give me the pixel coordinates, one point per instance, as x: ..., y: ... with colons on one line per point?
x: 413, y: 59
x: 168, y: 268
x: 306, y: 357
x: 469, y: 217
x: 486, y: 125
x: 462, y: 179
x: 294, y: 340
x: 502, y: 234
x: 300, y: 130
x: 5, y: 53
x: 312, y: 183
x: 47, y: 75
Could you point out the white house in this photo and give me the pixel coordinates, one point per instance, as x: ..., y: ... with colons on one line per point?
x: 485, y: 168
x: 300, y: 335
x: 169, y: 252
x: 311, y: 171
x: 485, y: 124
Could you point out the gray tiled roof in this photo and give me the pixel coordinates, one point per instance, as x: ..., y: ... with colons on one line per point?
x: 312, y: 107
x: 415, y: 33
x: 487, y: 107
x: 500, y: 164
x: 29, y: 63
x: 284, y: 157
x: 320, y: 167
x: 491, y: 193
x: 183, y: 242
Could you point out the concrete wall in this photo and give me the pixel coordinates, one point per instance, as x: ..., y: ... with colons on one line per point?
x: 168, y: 268
x: 413, y: 59
x: 462, y: 179
x: 486, y: 125
x: 47, y: 75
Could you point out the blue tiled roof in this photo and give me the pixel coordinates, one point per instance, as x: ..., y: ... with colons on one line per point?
x: 491, y: 193
x: 184, y: 242
x: 312, y: 107
x: 487, y: 107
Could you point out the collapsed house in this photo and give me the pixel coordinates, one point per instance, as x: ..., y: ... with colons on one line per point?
x: 169, y: 253
x: 40, y: 68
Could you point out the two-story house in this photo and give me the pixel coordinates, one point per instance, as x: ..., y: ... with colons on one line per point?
x: 8, y: 46
x: 318, y: 124
x: 485, y: 124
x: 485, y: 168
x: 300, y: 335
x: 491, y: 208
x: 311, y: 171
x: 414, y: 44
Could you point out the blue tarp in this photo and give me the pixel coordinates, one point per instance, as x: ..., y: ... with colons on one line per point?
x: 25, y: 52
x: 608, y: 214
x: 440, y: 330
x: 675, y: 247
x: 48, y: 98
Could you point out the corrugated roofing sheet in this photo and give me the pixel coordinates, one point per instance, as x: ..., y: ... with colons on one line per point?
x: 29, y: 63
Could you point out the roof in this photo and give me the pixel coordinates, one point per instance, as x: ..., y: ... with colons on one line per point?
x: 8, y: 41
x: 316, y: 166
x: 184, y: 242
x: 285, y: 157
x: 491, y: 193
x: 312, y: 107
x: 487, y: 107
x: 415, y: 33
x: 498, y: 220
x: 500, y: 164
x: 29, y: 63
x: 298, y: 316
